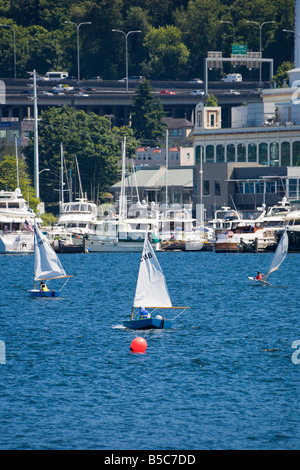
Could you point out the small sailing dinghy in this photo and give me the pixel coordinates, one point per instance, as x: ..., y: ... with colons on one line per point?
x: 151, y: 293
x: 46, y: 266
x: 279, y: 256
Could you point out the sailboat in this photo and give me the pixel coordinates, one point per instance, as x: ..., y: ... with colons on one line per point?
x: 151, y: 292
x: 279, y: 256
x: 46, y: 265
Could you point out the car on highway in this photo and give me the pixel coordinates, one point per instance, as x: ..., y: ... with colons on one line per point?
x: 232, y: 77
x: 197, y: 92
x: 167, y: 92
x: 81, y: 93
x: 62, y: 87
x: 196, y: 80
x: 232, y: 92
x: 139, y: 78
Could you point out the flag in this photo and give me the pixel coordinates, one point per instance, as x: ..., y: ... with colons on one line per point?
x: 28, y: 227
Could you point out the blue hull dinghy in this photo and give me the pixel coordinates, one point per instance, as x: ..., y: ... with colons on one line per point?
x: 151, y: 291
x: 148, y: 324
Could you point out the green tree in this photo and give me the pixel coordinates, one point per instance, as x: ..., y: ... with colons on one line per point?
x: 199, y: 24
x: 8, y: 178
x: 168, y: 55
x: 147, y: 115
x: 84, y: 135
x: 211, y: 100
x: 282, y: 74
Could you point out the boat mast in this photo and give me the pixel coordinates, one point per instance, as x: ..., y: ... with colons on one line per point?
x: 167, y: 156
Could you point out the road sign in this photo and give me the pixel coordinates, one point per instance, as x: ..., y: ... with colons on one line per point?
x: 239, y: 49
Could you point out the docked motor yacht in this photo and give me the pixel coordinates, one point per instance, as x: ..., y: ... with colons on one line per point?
x: 77, y: 218
x: 292, y: 221
x: 124, y: 233
x: 16, y: 220
x: 178, y: 231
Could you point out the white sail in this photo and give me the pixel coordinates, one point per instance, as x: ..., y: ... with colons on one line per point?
x: 280, y: 253
x: 151, y: 289
x: 46, y: 262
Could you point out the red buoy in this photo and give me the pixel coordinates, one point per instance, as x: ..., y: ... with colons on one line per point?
x: 138, y: 345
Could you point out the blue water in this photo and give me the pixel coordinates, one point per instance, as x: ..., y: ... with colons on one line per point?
x: 221, y: 378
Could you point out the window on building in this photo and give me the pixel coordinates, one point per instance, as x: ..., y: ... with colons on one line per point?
x: 259, y: 187
x: 274, y: 154
x: 220, y: 153
x: 281, y: 188
x: 270, y: 187
x: 28, y: 134
x: 252, y: 153
x: 285, y: 154
x: 188, y: 156
x: 217, y: 188
x: 230, y: 153
x: 263, y: 154
x: 239, y: 187
x: 296, y: 153
x: 209, y: 153
x: 212, y: 120
x: 206, y: 189
x: 249, y: 187
x: 12, y: 134
x: 293, y: 188
x: 199, y: 119
x: 198, y: 153
x: 241, y: 153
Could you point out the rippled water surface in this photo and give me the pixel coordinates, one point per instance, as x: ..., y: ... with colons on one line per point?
x: 222, y: 378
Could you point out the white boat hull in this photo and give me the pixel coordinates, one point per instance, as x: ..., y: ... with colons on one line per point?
x: 257, y: 282
x: 105, y: 246
x: 16, y: 243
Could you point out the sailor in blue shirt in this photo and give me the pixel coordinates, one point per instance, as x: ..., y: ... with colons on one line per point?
x: 144, y: 313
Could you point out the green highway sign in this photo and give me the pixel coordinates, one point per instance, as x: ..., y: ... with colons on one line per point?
x: 239, y: 49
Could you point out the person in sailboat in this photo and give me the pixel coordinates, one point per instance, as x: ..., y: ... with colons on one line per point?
x: 43, y: 287
x: 144, y: 313
x: 259, y: 276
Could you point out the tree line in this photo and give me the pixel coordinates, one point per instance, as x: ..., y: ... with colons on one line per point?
x: 173, y: 41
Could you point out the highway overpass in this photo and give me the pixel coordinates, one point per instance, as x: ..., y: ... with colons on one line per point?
x: 109, y: 98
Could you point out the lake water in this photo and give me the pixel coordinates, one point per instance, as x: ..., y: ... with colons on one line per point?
x: 226, y: 376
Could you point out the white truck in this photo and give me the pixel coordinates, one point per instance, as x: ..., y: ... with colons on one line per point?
x: 233, y: 77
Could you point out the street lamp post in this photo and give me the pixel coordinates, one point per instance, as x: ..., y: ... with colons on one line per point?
x: 126, y: 50
x: 260, y: 51
x: 14, y: 34
x: 77, y: 25
x: 230, y: 22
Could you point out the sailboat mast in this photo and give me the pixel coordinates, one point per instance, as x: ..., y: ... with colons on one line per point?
x: 79, y: 179
x: 62, y: 172
x: 167, y: 157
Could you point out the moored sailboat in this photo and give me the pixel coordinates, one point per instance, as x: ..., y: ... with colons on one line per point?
x: 47, y: 266
x: 151, y: 292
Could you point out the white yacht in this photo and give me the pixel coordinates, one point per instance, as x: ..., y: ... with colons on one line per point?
x: 178, y: 231
x: 77, y: 218
x: 292, y: 221
x: 124, y: 233
x: 16, y: 218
